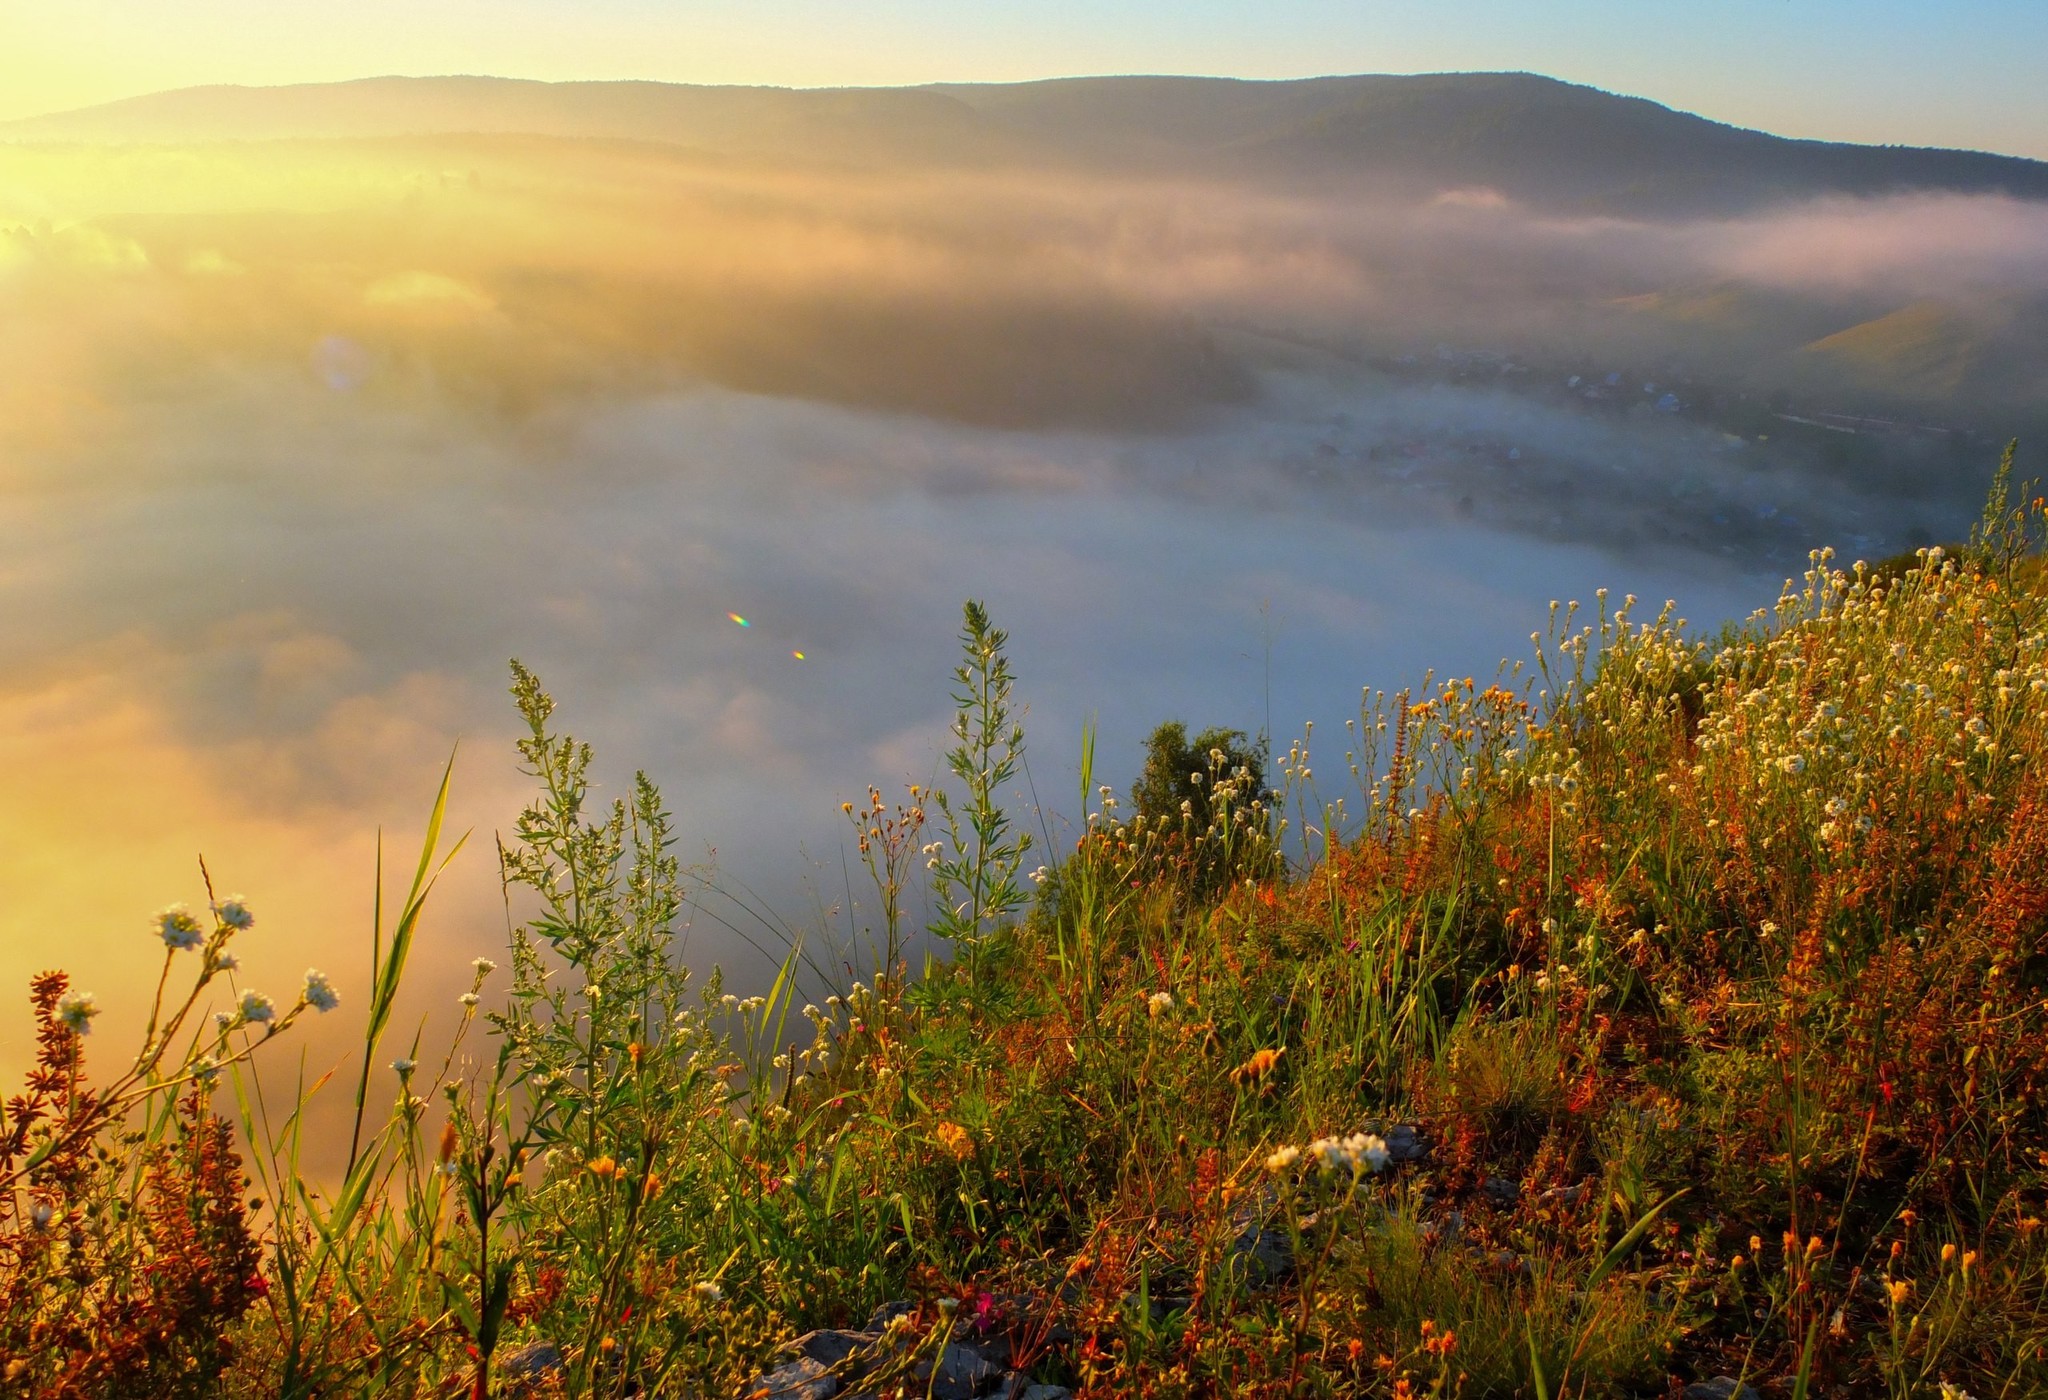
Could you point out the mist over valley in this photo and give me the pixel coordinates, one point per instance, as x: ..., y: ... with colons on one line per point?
x: 317, y: 404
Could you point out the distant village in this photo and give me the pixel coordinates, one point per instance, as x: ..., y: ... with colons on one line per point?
x: 1790, y: 470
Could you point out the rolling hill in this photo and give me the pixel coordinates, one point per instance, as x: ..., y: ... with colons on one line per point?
x: 1545, y: 142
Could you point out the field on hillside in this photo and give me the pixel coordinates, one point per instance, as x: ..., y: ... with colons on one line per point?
x: 1668, y: 1008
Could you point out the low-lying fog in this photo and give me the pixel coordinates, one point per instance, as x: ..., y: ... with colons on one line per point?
x: 301, y: 444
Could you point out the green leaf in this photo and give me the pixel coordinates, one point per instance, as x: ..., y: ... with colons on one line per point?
x: 1629, y: 1241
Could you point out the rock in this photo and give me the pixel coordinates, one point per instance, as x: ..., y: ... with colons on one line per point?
x: 1046, y: 1392
x: 828, y: 1346
x: 1720, y: 1388
x: 889, y: 1312
x: 527, y: 1368
x: 801, y: 1379
x: 962, y: 1373
x: 1445, y: 1228
x: 1502, y: 1192
x: 1267, y: 1256
x: 1404, y: 1143
x: 1167, y: 1305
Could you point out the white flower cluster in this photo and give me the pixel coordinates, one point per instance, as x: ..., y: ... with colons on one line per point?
x: 1360, y: 1154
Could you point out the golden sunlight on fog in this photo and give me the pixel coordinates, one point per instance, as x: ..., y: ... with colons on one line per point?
x: 108, y: 807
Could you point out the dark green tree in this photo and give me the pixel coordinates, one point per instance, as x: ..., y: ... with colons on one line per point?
x: 1179, y: 771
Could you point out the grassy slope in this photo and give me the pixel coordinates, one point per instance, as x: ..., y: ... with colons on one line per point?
x: 1713, y: 974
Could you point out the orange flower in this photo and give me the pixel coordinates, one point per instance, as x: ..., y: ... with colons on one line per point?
x: 1258, y: 1066
x: 956, y: 1140
x: 450, y: 1139
x: 604, y: 1168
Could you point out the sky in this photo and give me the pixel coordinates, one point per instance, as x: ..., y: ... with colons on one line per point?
x: 1956, y: 73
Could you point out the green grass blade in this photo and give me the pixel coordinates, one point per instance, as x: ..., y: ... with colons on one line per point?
x: 1629, y: 1241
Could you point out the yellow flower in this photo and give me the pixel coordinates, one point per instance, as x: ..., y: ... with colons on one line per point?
x: 1258, y: 1066
x: 956, y: 1140
x: 604, y: 1168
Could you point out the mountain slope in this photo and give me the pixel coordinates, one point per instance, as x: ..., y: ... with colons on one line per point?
x: 1546, y: 142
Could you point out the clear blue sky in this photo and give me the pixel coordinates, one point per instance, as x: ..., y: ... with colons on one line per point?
x: 1958, y: 72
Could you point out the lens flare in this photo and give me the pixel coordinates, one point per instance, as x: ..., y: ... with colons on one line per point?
x: 740, y: 620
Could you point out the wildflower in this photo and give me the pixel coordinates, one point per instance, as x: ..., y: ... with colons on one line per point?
x: 1899, y: 1289
x: 709, y: 1291
x: 1282, y: 1159
x: 178, y: 929
x: 403, y: 1067
x: 1038, y: 875
x: 205, y: 1070
x: 320, y: 993
x: 256, y: 1007
x: 1948, y: 1254
x: 956, y: 1140
x: 468, y: 999
x: 603, y: 1168
x: 234, y: 912
x: 76, y: 1010
x: 1793, y: 764
x: 1358, y: 1154
x: 224, y: 961
x: 484, y: 967
x: 1159, y: 1003
x: 1258, y: 1066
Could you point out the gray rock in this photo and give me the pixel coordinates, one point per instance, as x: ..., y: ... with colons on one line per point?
x: 1445, y: 1228
x: 526, y: 1368
x: 1405, y: 1143
x: 889, y: 1312
x: 828, y: 1346
x: 1266, y: 1256
x: 1046, y: 1392
x: 1720, y: 1388
x: 962, y: 1373
x: 801, y: 1379
x: 1501, y: 1191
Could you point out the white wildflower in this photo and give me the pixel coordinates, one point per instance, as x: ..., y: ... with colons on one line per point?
x: 1284, y: 1158
x: 468, y: 999
x: 75, y: 1011
x: 178, y: 929
x: 1159, y: 1003
x: 234, y: 912
x: 256, y: 1007
x: 320, y: 993
x: 484, y: 967
x: 709, y: 1291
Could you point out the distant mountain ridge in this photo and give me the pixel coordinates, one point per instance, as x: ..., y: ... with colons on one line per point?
x: 1536, y: 139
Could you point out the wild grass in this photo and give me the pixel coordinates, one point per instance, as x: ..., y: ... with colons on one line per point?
x: 1709, y: 973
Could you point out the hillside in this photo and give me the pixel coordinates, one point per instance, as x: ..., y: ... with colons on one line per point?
x: 1537, y: 139
x: 1673, y: 1029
